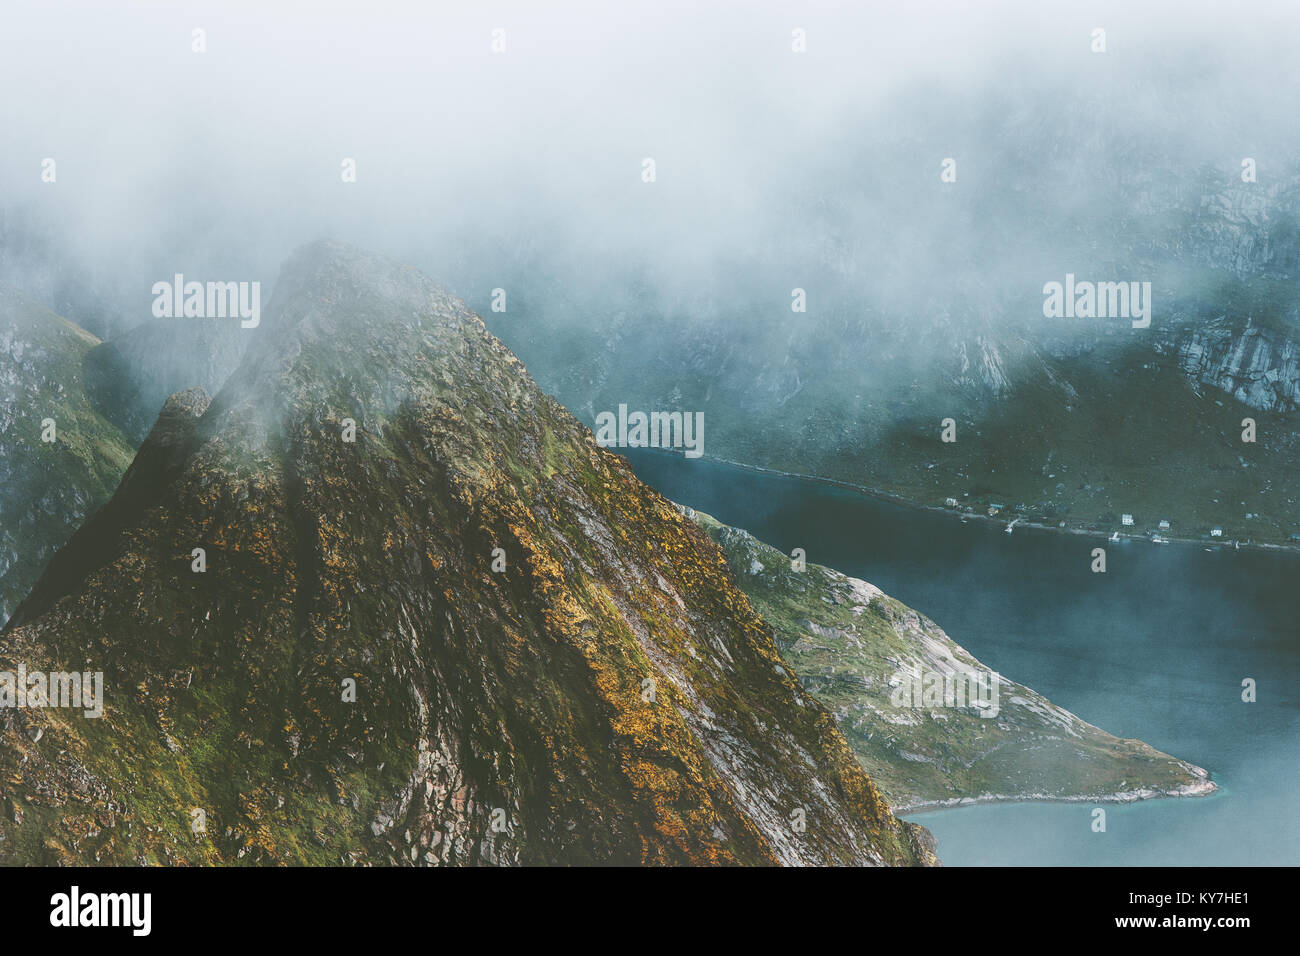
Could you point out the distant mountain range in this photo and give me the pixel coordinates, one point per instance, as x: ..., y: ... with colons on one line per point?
x: 1057, y: 420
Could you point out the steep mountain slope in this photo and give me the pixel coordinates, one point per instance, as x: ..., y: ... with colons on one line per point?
x: 854, y: 646
x: 360, y: 675
x: 47, y: 488
x: 131, y: 376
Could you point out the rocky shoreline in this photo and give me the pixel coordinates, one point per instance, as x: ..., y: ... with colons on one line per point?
x: 1204, y: 788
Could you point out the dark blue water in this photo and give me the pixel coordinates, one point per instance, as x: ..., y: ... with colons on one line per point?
x: 1155, y: 648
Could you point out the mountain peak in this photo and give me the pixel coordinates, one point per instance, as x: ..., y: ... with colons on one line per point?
x: 382, y: 600
x: 327, y: 282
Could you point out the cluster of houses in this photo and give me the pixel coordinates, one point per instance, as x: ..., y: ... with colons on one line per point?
x: 1163, y: 525
x: 1158, y: 537
x: 1127, y: 520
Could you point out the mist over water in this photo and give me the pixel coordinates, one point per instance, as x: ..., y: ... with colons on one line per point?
x: 1155, y: 648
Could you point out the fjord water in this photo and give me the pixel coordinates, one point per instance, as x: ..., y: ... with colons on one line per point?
x: 1155, y: 648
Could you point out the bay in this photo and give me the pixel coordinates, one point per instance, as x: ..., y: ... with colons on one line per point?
x: 1156, y: 648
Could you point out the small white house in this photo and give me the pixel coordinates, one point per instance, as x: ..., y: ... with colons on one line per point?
x: 1164, y: 524
x: 1216, y: 532
x: 1126, y: 520
x: 950, y: 502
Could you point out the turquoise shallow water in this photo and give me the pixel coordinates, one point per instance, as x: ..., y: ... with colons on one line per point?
x: 1155, y: 648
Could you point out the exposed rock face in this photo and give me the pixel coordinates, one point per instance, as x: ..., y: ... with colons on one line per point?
x: 1259, y: 367
x: 1247, y: 229
x: 46, y: 488
x: 468, y: 636
x: 980, y: 366
x: 853, y: 647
